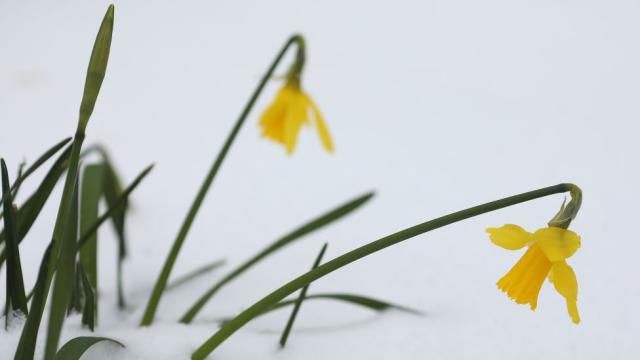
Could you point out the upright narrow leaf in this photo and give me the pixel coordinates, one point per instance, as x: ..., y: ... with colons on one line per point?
x: 97, y: 67
x: 41, y: 160
x: 121, y: 201
x: 95, y: 75
x: 77, y: 295
x: 112, y: 192
x: 65, y: 279
x: 89, y: 313
x: 296, y: 306
x: 27, y: 345
x: 29, y: 211
x: 92, y: 180
x: 16, y: 298
x: 16, y: 185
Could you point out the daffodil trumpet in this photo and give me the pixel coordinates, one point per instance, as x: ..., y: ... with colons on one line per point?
x: 567, y: 213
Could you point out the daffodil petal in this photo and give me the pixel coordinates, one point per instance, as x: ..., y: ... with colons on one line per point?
x: 509, y: 236
x: 272, y: 123
x: 323, y: 130
x: 557, y: 243
x: 272, y: 114
x: 284, y: 117
x: 295, y: 117
x: 565, y: 282
x: 272, y: 120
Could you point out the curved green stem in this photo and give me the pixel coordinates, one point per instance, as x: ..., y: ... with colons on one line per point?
x: 163, y: 278
x: 272, y: 299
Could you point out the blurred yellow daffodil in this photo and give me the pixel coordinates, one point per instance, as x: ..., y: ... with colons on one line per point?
x: 292, y: 108
x: 548, y: 248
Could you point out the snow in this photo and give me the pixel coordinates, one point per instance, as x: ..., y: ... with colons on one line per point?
x: 436, y: 105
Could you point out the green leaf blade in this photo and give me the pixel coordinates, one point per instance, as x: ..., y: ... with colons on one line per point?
x: 30, y: 210
x: 31, y: 169
x: 89, y: 312
x: 97, y: 68
x: 76, y: 302
x: 112, y: 190
x: 121, y: 201
x: 16, y: 298
x: 315, y: 224
x: 92, y: 183
x: 27, y: 344
x: 76, y: 347
x: 103, y: 41
x: 65, y: 281
x: 299, y: 300
x: 354, y: 299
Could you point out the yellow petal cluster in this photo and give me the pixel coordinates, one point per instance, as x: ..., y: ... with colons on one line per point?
x: 290, y: 110
x: 548, y: 249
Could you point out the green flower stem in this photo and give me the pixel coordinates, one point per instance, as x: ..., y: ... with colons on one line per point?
x: 272, y: 299
x: 295, y: 71
x: 569, y: 212
x: 163, y: 278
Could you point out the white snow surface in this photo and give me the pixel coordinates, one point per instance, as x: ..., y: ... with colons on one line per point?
x: 437, y: 105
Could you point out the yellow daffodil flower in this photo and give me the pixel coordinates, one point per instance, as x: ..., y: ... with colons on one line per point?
x: 548, y: 248
x: 291, y: 109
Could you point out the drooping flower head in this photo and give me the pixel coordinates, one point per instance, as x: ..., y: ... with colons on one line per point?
x: 293, y: 108
x: 547, y: 251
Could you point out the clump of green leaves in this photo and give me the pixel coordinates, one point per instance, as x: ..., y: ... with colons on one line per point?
x: 70, y: 262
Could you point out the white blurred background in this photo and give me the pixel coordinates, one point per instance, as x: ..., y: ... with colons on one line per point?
x: 437, y: 105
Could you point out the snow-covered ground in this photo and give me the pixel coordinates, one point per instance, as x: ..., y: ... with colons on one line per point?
x: 437, y: 105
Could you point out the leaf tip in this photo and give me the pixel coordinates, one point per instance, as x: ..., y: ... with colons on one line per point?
x: 110, y: 11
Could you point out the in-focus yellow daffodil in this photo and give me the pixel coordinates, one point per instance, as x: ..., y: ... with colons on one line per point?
x: 292, y: 108
x: 548, y: 248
